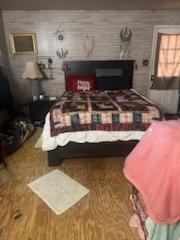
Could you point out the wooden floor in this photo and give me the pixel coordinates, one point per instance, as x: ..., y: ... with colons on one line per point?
x: 103, y: 214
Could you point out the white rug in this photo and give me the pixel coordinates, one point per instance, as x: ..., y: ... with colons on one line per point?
x: 58, y: 190
x: 38, y: 144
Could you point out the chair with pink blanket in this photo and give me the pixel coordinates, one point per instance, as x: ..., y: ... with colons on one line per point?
x: 153, y: 167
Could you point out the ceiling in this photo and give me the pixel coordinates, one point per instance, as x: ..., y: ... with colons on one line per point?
x: 90, y: 4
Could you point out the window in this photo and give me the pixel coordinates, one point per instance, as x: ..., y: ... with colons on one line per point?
x: 168, y: 56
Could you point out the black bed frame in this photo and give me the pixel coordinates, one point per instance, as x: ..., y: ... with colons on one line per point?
x: 77, y: 150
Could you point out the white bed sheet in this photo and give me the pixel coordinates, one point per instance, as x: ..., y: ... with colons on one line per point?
x: 50, y: 143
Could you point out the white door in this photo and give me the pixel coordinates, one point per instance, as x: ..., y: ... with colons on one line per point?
x: 165, y: 52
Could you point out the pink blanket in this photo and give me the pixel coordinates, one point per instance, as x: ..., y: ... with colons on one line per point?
x: 153, y: 167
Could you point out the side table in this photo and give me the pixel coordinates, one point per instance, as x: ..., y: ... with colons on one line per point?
x: 38, y: 110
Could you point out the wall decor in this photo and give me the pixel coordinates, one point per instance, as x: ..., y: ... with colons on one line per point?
x: 61, y: 51
x: 125, y: 38
x: 145, y: 62
x: 23, y: 43
x: 45, y: 64
x: 88, y: 45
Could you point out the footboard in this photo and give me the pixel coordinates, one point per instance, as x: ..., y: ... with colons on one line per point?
x: 79, y: 150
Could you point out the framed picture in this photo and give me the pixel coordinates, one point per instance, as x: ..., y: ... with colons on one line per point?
x: 23, y: 43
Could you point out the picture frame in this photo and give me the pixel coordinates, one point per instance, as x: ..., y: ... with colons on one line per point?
x: 23, y: 43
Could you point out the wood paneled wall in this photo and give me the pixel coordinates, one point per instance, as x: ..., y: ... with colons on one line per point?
x: 104, y: 26
x: 3, y: 49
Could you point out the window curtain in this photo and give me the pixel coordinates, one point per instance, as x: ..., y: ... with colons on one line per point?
x: 167, y: 63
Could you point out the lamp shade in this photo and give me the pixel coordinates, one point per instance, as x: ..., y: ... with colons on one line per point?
x: 32, y: 71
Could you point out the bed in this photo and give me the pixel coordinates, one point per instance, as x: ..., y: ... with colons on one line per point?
x: 99, y: 114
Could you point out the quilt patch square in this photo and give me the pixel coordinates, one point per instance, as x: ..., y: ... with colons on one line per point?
x: 96, y: 97
x: 137, y: 117
x: 77, y: 96
x: 96, y: 118
x: 131, y: 107
x: 75, y: 119
x: 103, y: 106
x: 126, y: 117
x: 74, y: 107
x: 115, y: 117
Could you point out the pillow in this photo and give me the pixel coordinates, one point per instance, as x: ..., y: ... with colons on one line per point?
x: 81, y: 83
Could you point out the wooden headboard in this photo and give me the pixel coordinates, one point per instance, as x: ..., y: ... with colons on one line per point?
x: 121, y: 70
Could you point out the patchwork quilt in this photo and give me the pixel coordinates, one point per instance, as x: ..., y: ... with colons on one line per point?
x: 102, y: 110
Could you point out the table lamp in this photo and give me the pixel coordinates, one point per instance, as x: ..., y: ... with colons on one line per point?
x: 33, y: 73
